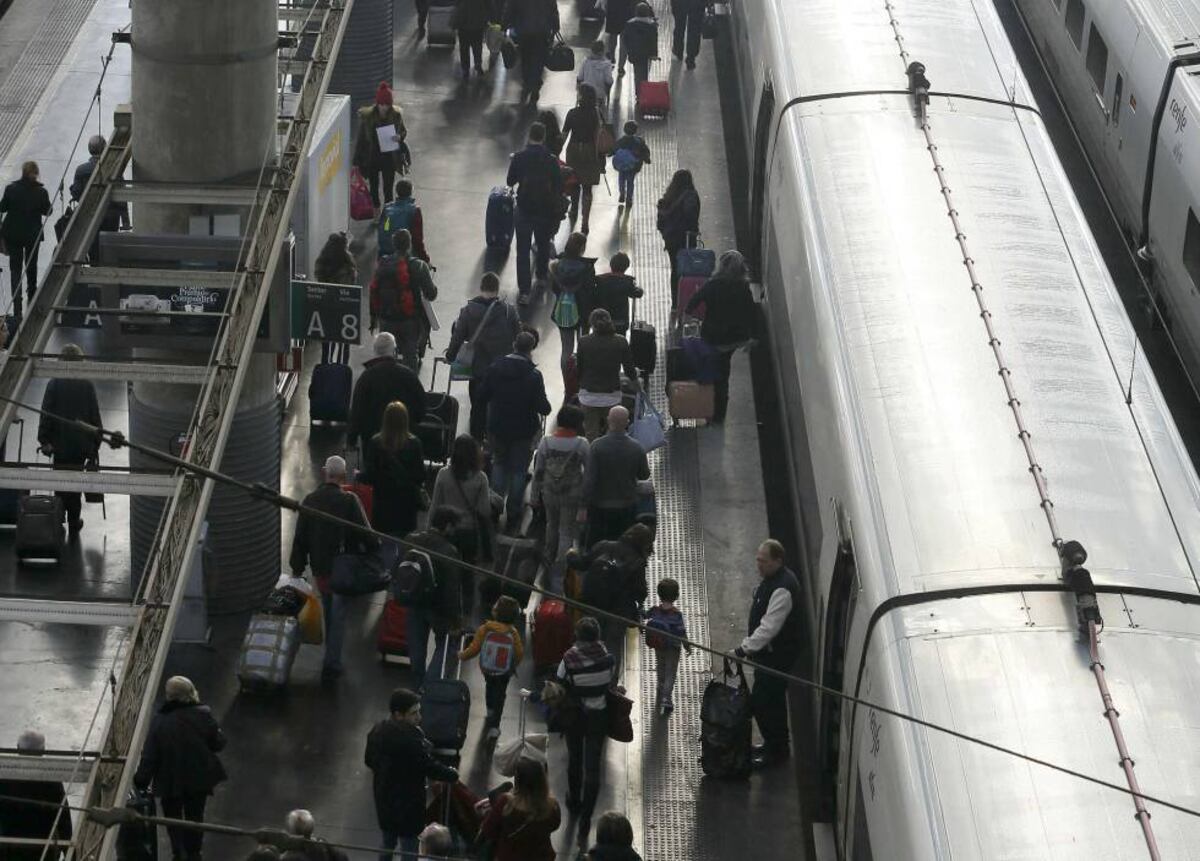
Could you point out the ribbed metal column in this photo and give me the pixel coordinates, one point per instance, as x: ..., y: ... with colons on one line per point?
x: 366, y: 55
x: 205, y: 109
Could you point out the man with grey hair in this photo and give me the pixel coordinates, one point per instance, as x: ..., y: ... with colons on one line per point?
x: 117, y: 214
x: 68, y: 400
x: 615, y: 464
x: 28, y: 821
x: 436, y: 842
x: 300, y: 823
x: 384, y: 379
x: 318, y: 542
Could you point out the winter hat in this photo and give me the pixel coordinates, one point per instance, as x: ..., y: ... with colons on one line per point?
x: 383, y: 94
x: 181, y: 690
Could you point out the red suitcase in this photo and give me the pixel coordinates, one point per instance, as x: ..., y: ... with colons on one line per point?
x: 552, y: 633
x: 654, y: 98
x: 366, y: 495
x: 393, y: 633
x: 685, y: 290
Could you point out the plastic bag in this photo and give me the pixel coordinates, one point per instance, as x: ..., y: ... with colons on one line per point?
x: 361, y: 207
x: 509, y: 753
x: 312, y: 621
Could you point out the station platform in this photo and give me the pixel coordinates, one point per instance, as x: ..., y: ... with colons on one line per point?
x: 304, y: 748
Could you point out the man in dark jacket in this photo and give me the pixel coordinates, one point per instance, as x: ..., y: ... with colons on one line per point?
x: 612, y: 292
x: 730, y: 319
x: 616, y: 15
x: 538, y: 178
x: 384, y: 380
x: 514, y: 394
x: 442, y: 614
x: 534, y: 23
x: 639, y: 41
x: 491, y: 332
x: 398, y: 292
x: 69, y: 446
x: 30, y: 821
x: 616, y: 462
x: 179, y: 760
x: 401, y: 759
x: 117, y: 214
x: 300, y: 823
x: 24, y: 204
x: 774, y: 639
x: 689, y: 21
x: 318, y: 542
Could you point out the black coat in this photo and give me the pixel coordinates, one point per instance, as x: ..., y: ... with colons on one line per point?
x: 25, y: 820
x: 384, y: 380
x: 397, y: 479
x: 730, y: 313
x: 679, y: 218
x: 618, y: 14
x: 621, y: 591
x: 530, y: 17
x: 180, y: 755
x: 318, y: 541
x: 472, y: 15
x: 22, y: 207
x: 514, y: 394
x: 402, y: 759
x: 71, y: 399
x: 493, y: 342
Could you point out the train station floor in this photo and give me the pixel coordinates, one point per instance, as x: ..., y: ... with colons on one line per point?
x: 304, y: 748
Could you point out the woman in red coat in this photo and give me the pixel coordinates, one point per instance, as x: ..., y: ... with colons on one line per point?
x: 519, y: 823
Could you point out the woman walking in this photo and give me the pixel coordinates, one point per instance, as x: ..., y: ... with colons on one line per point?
x: 395, y: 468
x: 368, y: 156
x: 463, y: 485
x: 581, y: 129
x: 730, y: 319
x: 559, y: 466
x: 335, y: 265
x: 519, y: 824
x: 571, y: 276
x: 602, y: 356
x: 678, y: 216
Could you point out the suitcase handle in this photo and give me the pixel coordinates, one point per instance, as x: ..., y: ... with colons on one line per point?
x: 696, y: 241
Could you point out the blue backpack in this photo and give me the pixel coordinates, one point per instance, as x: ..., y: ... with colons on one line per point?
x: 659, y: 623
x: 625, y: 160
x: 397, y: 215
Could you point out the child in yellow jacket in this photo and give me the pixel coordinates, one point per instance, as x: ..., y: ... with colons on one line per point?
x: 498, y: 644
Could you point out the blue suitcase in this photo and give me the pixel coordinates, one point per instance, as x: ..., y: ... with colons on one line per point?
x: 696, y: 262
x: 329, y: 392
x: 501, y: 218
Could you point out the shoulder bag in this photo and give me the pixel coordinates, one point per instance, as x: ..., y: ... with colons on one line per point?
x: 464, y: 362
x: 605, y: 142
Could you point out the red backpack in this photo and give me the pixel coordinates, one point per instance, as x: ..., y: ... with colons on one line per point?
x: 396, y: 295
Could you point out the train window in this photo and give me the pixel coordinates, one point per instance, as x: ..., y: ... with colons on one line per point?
x: 1191, y: 247
x: 1075, y: 22
x: 758, y: 203
x: 1118, y: 89
x: 1097, y: 58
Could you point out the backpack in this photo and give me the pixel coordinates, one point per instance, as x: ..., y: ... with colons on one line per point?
x: 537, y: 186
x: 603, y: 583
x: 561, y: 474
x: 394, y: 283
x: 497, y: 653
x: 625, y: 160
x: 659, y: 623
x: 397, y: 215
x: 572, y: 272
x: 414, y: 580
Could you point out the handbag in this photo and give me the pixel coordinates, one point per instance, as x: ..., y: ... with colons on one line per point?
x: 647, y: 425
x: 464, y: 360
x: 361, y: 207
x: 605, y: 142
x: 359, y: 574
x: 560, y: 58
x: 619, y: 708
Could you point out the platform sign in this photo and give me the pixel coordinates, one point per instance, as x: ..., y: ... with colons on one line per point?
x: 327, y: 312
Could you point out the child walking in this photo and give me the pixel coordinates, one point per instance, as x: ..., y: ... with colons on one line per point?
x: 665, y: 618
x: 629, y: 154
x: 498, y: 644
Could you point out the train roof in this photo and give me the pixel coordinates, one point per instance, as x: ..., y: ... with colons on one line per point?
x: 1178, y: 21
x: 951, y: 499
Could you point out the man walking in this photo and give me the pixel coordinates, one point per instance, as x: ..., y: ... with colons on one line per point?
x: 384, y: 379
x: 689, y: 21
x: 534, y: 23
x: 774, y: 641
x: 70, y: 447
x: 538, y: 178
x: 489, y: 325
x: 616, y: 462
x: 398, y: 292
x: 24, y: 204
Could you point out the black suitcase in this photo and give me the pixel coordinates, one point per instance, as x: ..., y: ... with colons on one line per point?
x: 440, y: 424
x: 329, y: 392
x: 446, y: 707
x: 643, y: 343
x: 516, y: 557
x: 138, y: 841
x: 725, y: 731
x: 40, y: 532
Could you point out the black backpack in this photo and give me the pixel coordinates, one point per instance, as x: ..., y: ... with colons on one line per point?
x: 603, y: 584
x: 414, y: 579
x: 537, y: 186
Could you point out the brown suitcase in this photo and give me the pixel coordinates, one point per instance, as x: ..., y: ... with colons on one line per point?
x: 687, y: 399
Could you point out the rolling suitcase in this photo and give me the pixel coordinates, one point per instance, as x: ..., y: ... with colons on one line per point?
x: 553, y: 633
x: 654, y: 99
x: 392, y: 640
x: 446, y: 708
x: 439, y: 26
x: 366, y: 495
x: 687, y: 399
x: 518, y: 558
x: 725, y: 731
x: 499, y: 224
x: 689, y: 286
x: 268, y: 652
x: 329, y: 393
x: 643, y: 344
x: 10, y: 498
x: 40, y: 531
x: 440, y: 424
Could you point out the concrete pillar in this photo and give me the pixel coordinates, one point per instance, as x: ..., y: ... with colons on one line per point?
x: 205, y: 107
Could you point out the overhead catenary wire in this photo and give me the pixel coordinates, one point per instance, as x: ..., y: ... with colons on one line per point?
x: 116, y: 439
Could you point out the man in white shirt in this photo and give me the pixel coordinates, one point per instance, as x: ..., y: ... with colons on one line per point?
x: 773, y: 640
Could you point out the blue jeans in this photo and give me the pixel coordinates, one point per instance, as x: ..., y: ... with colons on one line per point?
x: 334, y: 607
x: 625, y: 185
x: 408, y: 845
x: 510, y: 468
x: 530, y: 227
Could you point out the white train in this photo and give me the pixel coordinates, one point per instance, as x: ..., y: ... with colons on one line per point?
x: 1126, y: 72
x: 936, y: 587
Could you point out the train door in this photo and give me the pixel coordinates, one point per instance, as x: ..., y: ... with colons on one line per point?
x: 758, y: 200
x: 839, y: 610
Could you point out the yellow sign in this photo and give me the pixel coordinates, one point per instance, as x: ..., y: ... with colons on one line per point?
x: 331, y: 161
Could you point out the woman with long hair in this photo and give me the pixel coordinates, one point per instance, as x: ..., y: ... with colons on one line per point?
x: 554, y: 136
x: 602, y: 356
x: 335, y: 265
x: 463, y: 485
x: 572, y: 276
x: 519, y: 823
x: 559, y: 468
x: 582, y: 128
x: 678, y: 216
x: 395, y: 468
x: 730, y: 319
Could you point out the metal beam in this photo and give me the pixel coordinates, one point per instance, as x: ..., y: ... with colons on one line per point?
x: 135, y: 372
x: 46, y: 768
x: 78, y: 480
x: 104, y: 614
x: 199, y: 195
x: 128, y: 276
